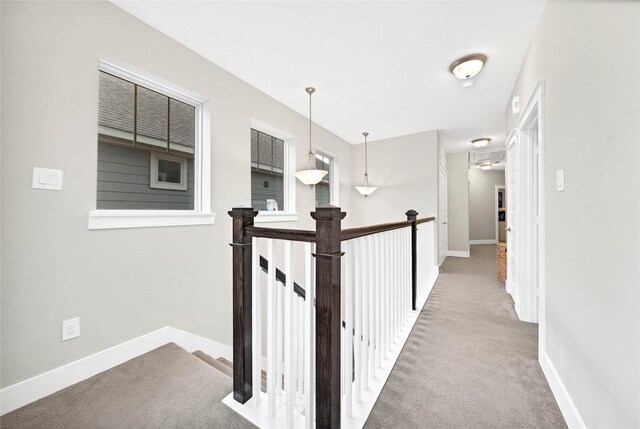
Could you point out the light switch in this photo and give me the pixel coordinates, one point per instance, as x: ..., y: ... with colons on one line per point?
x: 560, y: 180
x: 47, y: 178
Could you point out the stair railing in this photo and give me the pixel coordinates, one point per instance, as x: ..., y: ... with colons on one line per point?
x: 327, y: 353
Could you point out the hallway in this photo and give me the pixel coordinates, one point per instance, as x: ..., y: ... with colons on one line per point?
x: 469, y: 362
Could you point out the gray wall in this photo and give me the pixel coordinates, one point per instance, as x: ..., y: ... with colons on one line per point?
x: 482, y: 202
x: 405, y: 169
x: 117, y: 281
x: 589, y: 55
x: 458, y: 201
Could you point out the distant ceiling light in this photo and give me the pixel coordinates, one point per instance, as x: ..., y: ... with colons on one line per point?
x: 482, y: 142
x: 366, y: 189
x: 467, y: 83
x: 485, y: 166
x: 469, y: 66
x: 311, y: 175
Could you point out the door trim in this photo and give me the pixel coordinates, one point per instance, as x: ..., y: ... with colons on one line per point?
x: 534, y: 110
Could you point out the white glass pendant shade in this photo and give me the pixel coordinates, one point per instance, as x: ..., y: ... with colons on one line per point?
x: 311, y: 175
x: 468, y: 67
x: 366, y: 190
x: 481, y: 142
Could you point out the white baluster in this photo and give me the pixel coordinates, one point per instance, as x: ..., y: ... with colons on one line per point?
x: 300, y: 346
x: 366, y: 299
x: 309, y: 339
x: 289, y: 372
x: 272, y: 333
x: 348, y: 332
x: 378, y: 289
x: 280, y: 338
x: 372, y: 306
x: 256, y: 336
x: 357, y: 321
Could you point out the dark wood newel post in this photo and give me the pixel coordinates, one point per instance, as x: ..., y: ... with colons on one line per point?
x: 242, y: 353
x: 328, y: 317
x: 412, y: 216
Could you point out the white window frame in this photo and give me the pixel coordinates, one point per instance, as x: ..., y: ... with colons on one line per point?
x: 334, y: 179
x: 154, y: 159
x: 287, y: 213
x: 201, y: 213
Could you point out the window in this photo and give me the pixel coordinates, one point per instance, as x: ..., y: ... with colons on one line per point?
x: 273, y: 160
x: 153, y: 151
x: 267, y: 172
x: 323, y: 188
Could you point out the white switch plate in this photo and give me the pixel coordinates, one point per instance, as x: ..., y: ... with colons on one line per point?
x: 560, y: 180
x: 70, y: 329
x: 47, y: 178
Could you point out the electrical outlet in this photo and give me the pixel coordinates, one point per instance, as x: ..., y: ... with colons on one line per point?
x: 515, y: 105
x: 70, y: 329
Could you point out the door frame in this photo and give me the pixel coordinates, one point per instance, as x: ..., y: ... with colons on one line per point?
x: 534, y: 112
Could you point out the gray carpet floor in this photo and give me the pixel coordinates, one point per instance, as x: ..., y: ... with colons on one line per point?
x: 165, y: 388
x: 469, y: 362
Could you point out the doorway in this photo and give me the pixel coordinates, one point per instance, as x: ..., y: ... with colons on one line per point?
x: 500, y: 213
x: 443, y: 237
x: 525, y: 216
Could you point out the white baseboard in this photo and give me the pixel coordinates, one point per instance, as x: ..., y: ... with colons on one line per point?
x: 458, y: 253
x: 567, y: 407
x: 32, y: 389
x: 493, y: 241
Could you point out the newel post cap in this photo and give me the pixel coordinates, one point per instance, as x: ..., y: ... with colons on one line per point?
x: 243, y: 212
x: 328, y: 213
x: 412, y: 214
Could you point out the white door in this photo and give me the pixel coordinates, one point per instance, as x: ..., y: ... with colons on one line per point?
x: 513, y: 211
x: 442, y: 217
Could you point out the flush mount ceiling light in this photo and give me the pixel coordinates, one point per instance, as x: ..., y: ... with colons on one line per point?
x: 485, y: 166
x: 311, y: 175
x: 365, y: 189
x: 481, y: 142
x: 469, y: 66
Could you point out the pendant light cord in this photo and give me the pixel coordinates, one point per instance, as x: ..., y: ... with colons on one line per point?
x: 366, y: 162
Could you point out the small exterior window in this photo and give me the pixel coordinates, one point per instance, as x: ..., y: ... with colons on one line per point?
x: 323, y: 189
x: 168, y: 172
x: 267, y: 172
x: 154, y: 151
x: 146, y: 144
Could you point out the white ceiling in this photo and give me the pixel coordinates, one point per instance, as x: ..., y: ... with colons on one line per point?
x: 377, y: 66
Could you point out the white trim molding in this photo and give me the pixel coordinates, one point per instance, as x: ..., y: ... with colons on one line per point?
x: 458, y: 253
x: 112, y: 219
x: 27, y: 391
x: 491, y: 241
x: 567, y: 407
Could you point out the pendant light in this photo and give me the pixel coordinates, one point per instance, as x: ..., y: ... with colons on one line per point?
x: 365, y: 189
x: 481, y: 142
x: 311, y: 175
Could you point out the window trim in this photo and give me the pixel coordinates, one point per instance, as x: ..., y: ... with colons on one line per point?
x: 201, y: 213
x: 288, y: 212
x: 154, y: 158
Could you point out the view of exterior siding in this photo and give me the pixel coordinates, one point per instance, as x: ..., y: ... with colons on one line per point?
x: 260, y: 193
x: 267, y: 168
x: 323, y: 189
x: 124, y: 182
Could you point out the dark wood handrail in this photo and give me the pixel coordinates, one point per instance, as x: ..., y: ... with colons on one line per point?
x: 281, y: 234
x: 310, y: 236
x: 425, y: 220
x: 362, y: 231
x: 282, y: 277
